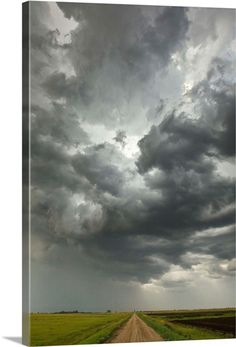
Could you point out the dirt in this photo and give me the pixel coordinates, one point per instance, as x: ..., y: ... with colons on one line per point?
x: 223, y: 324
x: 135, y: 330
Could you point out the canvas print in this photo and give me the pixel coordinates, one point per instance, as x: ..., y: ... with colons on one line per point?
x: 128, y: 173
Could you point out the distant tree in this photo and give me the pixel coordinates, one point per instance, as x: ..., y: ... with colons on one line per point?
x: 108, y: 311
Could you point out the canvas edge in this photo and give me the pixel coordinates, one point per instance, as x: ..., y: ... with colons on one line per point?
x: 25, y: 177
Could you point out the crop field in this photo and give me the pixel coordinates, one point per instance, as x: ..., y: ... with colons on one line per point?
x: 223, y: 324
x: 192, y: 324
x: 88, y: 328
x: 76, y: 328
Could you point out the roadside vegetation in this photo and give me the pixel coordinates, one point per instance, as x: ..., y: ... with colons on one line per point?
x: 71, y: 328
x: 75, y: 328
x: 192, y: 324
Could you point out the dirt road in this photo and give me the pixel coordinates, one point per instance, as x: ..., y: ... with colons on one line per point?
x: 135, y: 330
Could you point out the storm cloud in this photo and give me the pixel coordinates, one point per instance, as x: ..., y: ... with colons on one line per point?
x: 132, y: 155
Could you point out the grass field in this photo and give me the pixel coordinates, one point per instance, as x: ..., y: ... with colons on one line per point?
x: 78, y: 328
x: 88, y: 328
x: 192, y: 324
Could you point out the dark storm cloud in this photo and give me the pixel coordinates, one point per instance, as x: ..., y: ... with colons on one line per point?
x: 95, y: 166
x: 174, y: 23
x: 176, y: 160
x: 40, y: 35
x: 188, y: 188
x: 44, y: 41
x: 213, y: 245
x: 135, y: 34
x: 53, y: 133
x: 222, y: 112
x: 223, y: 217
x: 59, y: 86
x: 128, y: 221
x: 160, y: 235
x: 60, y: 124
x: 153, y: 114
x: 180, y: 141
x: 185, y: 198
x: 181, y: 151
x: 177, y: 142
x: 51, y: 167
x: 131, y: 43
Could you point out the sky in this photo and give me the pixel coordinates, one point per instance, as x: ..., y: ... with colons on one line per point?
x: 132, y: 157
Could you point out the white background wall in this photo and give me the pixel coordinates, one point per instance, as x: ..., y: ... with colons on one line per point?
x: 10, y: 169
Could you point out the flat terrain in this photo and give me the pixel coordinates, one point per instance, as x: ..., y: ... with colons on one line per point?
x: 77, y: 328
x: 111, y: 327
x: 192, y: 324
x: 135, y: 330
x: 222, y: 324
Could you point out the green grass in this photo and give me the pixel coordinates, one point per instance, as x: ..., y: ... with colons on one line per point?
x: 185, y: 314
x: 159, y: 325
x: 173, y: 331
x: 90, y: 328
x: 71, y: 329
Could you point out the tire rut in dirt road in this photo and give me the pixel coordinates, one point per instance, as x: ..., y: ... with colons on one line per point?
x: 135, y: 330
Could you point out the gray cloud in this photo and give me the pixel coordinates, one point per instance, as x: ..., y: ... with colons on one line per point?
x: 61, y: 125
x: 95, y: 166
x: 180, y: 141
x: 133, y: 34
x: 120, y: 137
x: 135, y: 206
x: 128, y: 47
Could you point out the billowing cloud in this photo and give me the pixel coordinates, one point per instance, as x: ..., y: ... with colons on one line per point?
x: 132, y: 144
x: 133, y: 35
